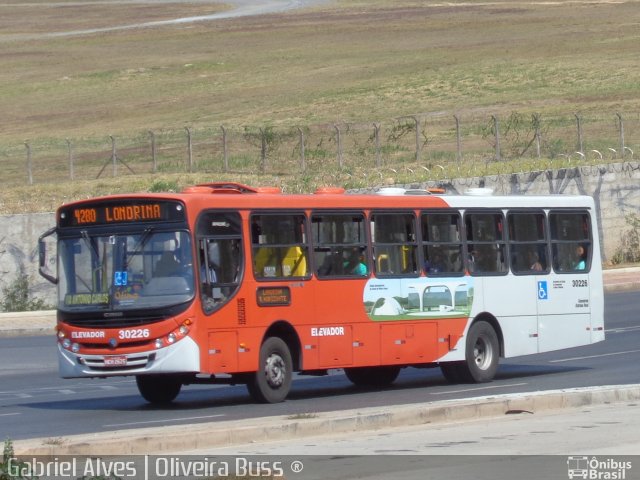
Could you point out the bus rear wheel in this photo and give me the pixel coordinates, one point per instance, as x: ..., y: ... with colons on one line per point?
x: 372, y: 376
x: 482, y: 354
x: 272, y: 382
x: 158, y: 389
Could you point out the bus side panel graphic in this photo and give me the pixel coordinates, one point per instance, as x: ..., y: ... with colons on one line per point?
x: 421, y: 298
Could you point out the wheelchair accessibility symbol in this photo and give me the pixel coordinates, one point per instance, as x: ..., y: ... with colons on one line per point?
x: 543, y: 293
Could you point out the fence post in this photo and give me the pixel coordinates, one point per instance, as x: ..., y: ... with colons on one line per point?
x: 536, y: 125
x: 458, y: 139
x: 114, y: 156
x: 154, y: 157
x: 303, y: 164
x: 579, y: 127
x: 70, y: 159
x: 29, y: 163
x: 496, y: 129
x: 376, y: 130
x: 339, y: 145
x: 621, y: 130
x: 189, y: 149
x: 263, y: 151
x: 417, y: 120
x: 225, y: 154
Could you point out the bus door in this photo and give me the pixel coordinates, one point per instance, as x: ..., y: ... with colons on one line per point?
x: 220, y: 270
x: 564, y: 305
x: 529, y: 261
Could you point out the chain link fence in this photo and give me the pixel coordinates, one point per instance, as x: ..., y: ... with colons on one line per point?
x: 431, y: 145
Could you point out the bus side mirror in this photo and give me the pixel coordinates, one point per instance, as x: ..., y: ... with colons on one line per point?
x: 42, y: 256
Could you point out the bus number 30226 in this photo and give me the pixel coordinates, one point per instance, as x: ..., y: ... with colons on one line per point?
x: 137, y: 333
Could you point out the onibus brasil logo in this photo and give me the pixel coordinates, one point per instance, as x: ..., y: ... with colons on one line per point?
x: 593, y: 468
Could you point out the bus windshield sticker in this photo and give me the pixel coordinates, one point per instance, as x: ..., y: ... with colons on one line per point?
x: 120, y: 279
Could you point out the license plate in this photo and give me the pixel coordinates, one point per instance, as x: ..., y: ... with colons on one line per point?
x: 115, y: 361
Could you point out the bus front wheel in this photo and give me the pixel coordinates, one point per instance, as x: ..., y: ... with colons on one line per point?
x: 158, y: 389
x: 272, y: 382
x: 372, y: 376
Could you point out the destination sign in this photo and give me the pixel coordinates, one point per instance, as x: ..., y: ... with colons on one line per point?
x: 128, y: 211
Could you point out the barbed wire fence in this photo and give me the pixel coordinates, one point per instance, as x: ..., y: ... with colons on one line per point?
x: 423, y: 146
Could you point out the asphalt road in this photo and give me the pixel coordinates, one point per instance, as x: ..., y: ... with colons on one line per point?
x: 35, y: 403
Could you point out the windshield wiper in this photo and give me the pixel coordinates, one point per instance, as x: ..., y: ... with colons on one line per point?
x: 144, y: 238
x: 87, y: 239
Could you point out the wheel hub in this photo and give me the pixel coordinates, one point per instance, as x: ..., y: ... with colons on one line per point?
x: 275, y: 370
x: 482, y: 353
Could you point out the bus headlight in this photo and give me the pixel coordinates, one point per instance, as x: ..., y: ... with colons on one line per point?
x: 158, y: 343
x: 66, y: 343
x: 171, y: 338
x: 75, y: 348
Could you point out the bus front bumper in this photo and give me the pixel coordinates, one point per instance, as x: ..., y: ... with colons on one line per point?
x: 181, y: 357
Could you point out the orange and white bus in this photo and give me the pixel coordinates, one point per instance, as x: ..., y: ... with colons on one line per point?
x: 224, y: 283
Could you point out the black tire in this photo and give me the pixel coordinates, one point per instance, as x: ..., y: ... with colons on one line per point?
x: 158, y: 389
x: 272, y: 382
x: 482, y: 354
x: 372, y: 376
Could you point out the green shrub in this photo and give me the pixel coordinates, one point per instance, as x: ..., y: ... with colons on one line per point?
x: 7, y: 456
x: 16, y: 296
x: 629, y: 249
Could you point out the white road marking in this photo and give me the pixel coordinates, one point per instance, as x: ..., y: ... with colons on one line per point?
x: 623, y: 329
x: 475, y: 389
x: 593, y: 356
x: 162, y: 421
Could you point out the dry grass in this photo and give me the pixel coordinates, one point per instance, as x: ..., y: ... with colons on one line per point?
x: 356, y: 61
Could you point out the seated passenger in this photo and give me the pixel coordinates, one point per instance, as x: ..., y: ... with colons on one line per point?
x: 581, y: 258
x: 435, y: 264
x: 354, y: 265
x: 534, y: 262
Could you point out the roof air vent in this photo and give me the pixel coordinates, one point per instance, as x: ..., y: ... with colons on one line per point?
x: 329, y: 191
x: 391, y: 191
x: 479, y: 191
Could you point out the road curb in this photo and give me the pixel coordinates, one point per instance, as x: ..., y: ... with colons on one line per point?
x: 183, y: 438
x: 16, y: 324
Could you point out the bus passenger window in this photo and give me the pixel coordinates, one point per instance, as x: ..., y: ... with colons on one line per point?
x: 570, y: 241
x: 486, y: 245
x: 279, y: 246
x: 340, y: 245
x: 394, y: 244
x: 528, y: 243
x: 441, y: 244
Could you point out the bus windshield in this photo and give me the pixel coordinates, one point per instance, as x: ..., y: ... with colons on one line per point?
x: 126, y: 271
